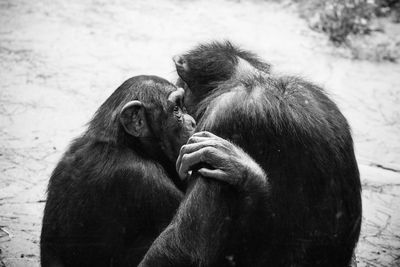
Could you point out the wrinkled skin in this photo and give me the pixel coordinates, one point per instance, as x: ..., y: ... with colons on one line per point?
x: 226, y: 162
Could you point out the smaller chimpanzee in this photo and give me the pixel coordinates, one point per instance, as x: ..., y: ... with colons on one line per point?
x: 116, y: 187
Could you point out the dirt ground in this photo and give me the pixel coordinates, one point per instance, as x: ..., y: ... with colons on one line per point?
x: 59, y: 60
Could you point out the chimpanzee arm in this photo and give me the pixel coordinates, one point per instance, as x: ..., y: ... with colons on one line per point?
x: 202, y: 231
x: 199, y: 230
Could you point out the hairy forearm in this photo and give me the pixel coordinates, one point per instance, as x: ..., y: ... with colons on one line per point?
x: 163, y: 251
x: 254, y: 179
x: 200, y: 229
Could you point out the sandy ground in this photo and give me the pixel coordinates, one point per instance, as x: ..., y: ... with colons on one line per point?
x: 59, y: 60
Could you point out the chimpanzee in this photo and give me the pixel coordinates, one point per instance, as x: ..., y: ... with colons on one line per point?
x: 116, y: 187
x: 304, y: 211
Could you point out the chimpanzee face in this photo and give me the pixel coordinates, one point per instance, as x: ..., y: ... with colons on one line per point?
x: 206, y: 66
x: 178, y: 126
x: 157, y: 118
x: 203, y: 68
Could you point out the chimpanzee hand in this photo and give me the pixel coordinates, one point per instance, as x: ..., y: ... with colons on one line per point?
x: 227, y: 162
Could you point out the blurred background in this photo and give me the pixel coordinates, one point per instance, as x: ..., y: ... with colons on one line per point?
x: 59, y: 60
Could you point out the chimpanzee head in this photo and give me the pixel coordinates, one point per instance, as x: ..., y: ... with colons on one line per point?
x: 147, y: 114
x: 206, y: 66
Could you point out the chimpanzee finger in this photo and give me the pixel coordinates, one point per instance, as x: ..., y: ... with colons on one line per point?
x: 203, y: 155
x: 190, y: 148
x: 196, y: 139
x: 202, y: 134
x: 215, y: 174
x: 206, y: 134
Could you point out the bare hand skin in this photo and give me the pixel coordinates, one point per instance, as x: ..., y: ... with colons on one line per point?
x: 228, y: 163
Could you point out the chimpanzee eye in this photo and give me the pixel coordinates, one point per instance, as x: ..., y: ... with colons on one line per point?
x: 178, y: 113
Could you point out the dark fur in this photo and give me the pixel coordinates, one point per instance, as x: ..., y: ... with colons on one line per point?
x: 310, y: 215
x: 108, y: 199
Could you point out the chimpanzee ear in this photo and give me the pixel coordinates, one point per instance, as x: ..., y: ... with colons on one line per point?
x: 133, y: 119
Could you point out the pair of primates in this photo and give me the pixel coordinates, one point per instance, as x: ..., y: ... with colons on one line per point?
x: 283, y: 191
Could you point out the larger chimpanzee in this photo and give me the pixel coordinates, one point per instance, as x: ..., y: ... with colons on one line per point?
x: 116, y: 187
x: 306, y: 210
